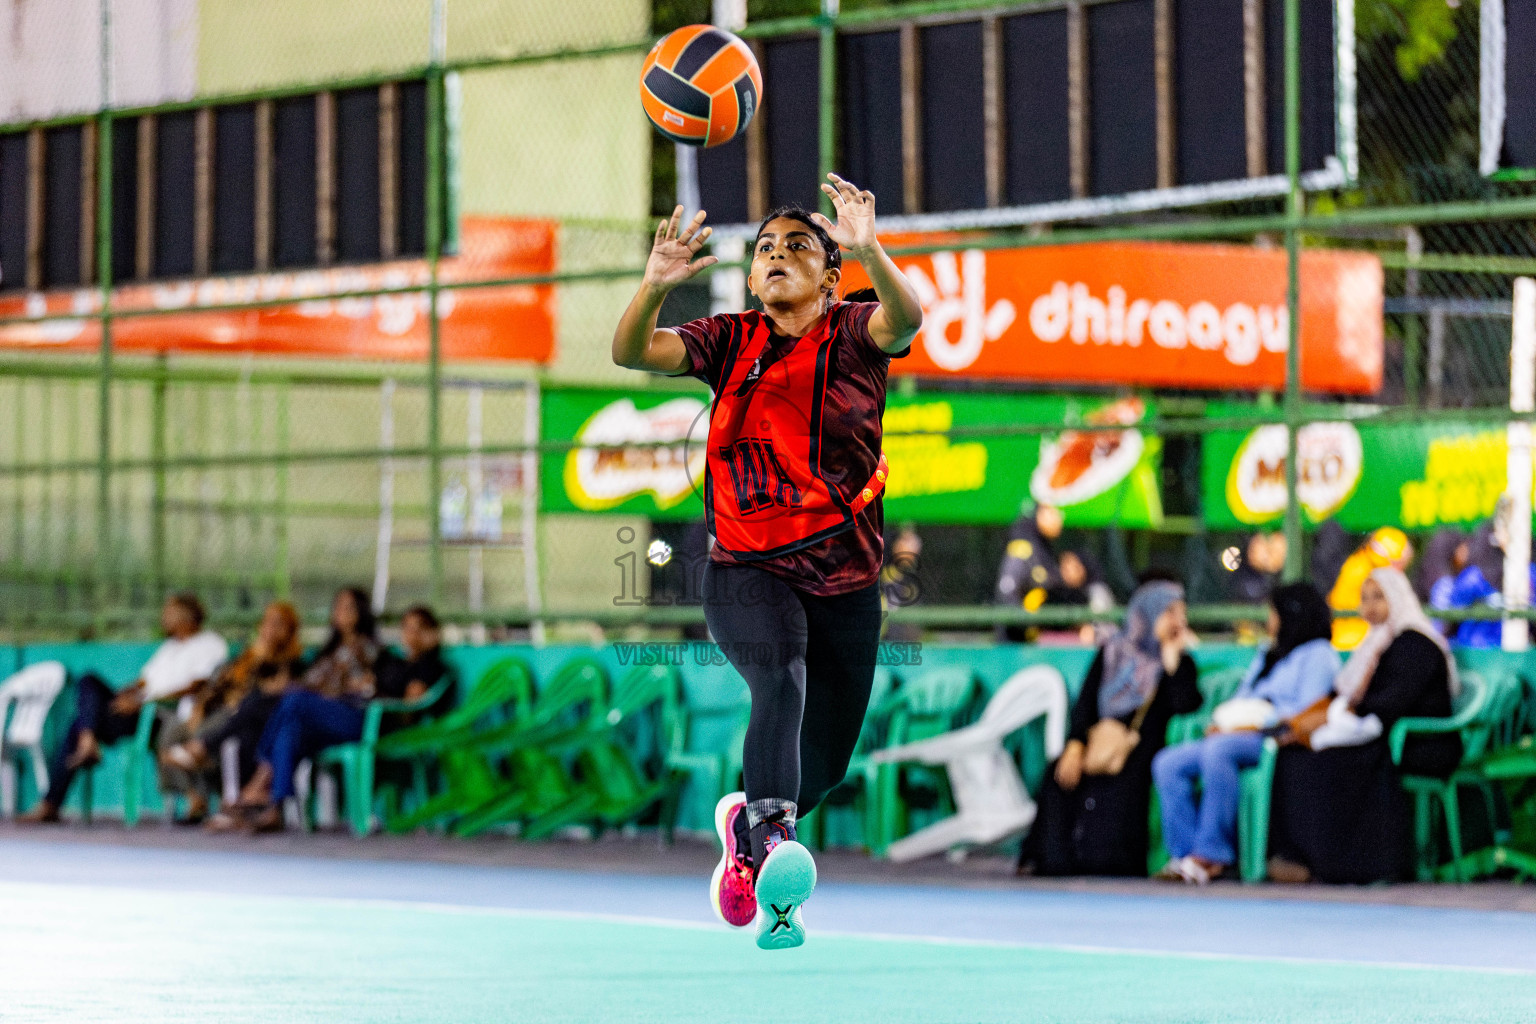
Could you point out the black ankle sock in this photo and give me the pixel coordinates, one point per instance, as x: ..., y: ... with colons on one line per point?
x: 779, y: 821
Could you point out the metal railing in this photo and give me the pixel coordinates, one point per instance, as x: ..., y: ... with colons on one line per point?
x: 1484, y: 230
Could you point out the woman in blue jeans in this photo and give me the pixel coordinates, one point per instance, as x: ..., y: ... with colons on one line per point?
x: 1294, y: 672
x: 310, y: 719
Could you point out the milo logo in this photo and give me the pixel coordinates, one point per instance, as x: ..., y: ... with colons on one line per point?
x: 610, y: 468
x: 1329, y: 462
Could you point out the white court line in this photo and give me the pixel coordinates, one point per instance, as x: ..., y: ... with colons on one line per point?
x: 463, y: 910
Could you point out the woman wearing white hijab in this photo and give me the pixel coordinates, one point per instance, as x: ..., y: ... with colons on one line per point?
x: 1339, y: 813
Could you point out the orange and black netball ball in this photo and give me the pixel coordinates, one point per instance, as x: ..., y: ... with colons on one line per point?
x: 700, y: 86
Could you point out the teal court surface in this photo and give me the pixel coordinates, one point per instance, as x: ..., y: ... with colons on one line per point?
x: 172, y: 931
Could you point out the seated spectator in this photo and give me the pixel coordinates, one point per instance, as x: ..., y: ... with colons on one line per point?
x: 1295, y: 672
x: 1388, y: 546
x: 1095, y: 823
x: 186, y: 659
x: 1257, y: 571
x: 1479, y: 584
x: 308, y: 720
x: 1081, y: 585
x: 188, y: 760
x: 1338, y: 811
x: 345, y: 664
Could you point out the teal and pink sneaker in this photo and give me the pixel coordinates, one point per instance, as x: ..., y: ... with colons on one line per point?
x: 785, y: 882
x: 731, y: 889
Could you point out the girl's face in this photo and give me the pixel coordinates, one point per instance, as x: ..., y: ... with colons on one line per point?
x: 416, y: 636
x: 1272, y: 626
x: 789, y: 266
x: 1172, y: 623
x: 344, y: 612
x: 1373, y: 603
x: 274, y: 631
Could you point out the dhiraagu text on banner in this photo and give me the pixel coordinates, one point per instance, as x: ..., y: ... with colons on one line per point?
x: 952, y: 458
x: 1416, y: 476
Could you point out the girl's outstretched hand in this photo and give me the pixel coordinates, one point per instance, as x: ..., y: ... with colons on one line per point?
x: 855, y: 209
x: 672, y: 253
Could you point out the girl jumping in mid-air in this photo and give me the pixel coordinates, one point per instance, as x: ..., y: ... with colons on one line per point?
x: 792, y: 496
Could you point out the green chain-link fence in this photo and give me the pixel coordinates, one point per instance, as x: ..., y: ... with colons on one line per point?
x: 124, y: 472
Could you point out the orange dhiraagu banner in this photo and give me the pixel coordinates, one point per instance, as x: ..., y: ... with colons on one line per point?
x: 508, y: 322
x: 1194, y: 316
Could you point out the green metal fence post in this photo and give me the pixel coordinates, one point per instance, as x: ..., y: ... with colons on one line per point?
x: 157, y: 454
x: 103, y: 560
x: 1412, y: 332
x: 826, y: 141
x: 435, y: 173
x: 284, y: 581
x: 1293, y: 410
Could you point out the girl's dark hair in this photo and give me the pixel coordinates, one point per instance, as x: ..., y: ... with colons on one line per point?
x: 367, y: 624
x: 189, y: 603
x: 803, y: 216
x: 427, y: 616
x: 1304, y: 617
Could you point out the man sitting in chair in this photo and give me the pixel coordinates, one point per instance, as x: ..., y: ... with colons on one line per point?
x: 186, y: 659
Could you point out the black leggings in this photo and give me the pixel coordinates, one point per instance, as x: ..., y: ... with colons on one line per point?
x: 809, y: 662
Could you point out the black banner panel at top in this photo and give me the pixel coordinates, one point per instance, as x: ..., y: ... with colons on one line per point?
x: 913, y: 123
x: 1509, y: 87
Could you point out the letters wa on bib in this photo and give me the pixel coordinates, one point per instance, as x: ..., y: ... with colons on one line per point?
x: 794, y: 470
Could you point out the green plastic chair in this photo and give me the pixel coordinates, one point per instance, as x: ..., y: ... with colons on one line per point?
x: 1253, y: 815
x: 356, y: 761
x: 619, y: 760
x: 1514, y: 763
x: 138, y: 756
x: 715, y: 772
x: 1483, y: 711
x: 533, y: 781
x: 858, y: 786
x: 928, y: 705
x: 503, y: 695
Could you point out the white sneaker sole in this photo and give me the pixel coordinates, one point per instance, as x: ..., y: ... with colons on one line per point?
x: 722, y: 808
x: 785, y: 882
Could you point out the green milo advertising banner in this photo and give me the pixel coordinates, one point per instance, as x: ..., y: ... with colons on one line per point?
x: 1100, y: 469
x: 1415, y: 475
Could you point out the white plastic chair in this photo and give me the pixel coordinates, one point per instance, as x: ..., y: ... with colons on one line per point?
x: 990, y: 799
x: 27, y: 696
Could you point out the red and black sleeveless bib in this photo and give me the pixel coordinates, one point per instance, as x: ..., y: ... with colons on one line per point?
x: 775, y: 476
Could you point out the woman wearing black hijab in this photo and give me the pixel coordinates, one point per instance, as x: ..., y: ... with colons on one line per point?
x: 1096, y: 824
x: 1293, y: 673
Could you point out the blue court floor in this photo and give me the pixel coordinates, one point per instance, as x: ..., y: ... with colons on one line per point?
x: 100, y: 932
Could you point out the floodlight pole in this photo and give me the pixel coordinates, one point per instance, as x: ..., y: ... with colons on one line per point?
x: 1293, y: 207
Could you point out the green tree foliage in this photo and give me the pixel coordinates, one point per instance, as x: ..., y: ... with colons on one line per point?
x: 1423, y: 29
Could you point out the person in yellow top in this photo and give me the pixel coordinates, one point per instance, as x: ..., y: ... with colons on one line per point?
x: 1387, y: 547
